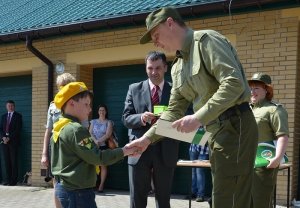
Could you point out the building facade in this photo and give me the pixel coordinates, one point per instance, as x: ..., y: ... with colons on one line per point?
x: 109, y: 60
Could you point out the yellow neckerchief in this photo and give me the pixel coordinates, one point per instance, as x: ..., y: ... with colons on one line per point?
x: 58, y: 126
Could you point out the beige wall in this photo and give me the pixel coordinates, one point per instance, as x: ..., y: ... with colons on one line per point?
x: 265, y: 41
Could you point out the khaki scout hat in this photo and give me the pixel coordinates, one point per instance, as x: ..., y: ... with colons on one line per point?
x: 261, y: 77
x: 155, y: 18
x: 67, y: 92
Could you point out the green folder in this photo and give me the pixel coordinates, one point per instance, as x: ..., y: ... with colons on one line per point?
x: 159, y: 109
x: 265, y: 151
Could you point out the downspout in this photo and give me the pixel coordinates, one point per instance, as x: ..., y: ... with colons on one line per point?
x: 43, y: 58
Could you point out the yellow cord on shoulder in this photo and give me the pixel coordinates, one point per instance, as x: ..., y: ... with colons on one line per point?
x: 58, y: 126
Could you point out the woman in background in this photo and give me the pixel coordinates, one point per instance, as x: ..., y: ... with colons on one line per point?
x: 101, y: 129
x: 272, y: 122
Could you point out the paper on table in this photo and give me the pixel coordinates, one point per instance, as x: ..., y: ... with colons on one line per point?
x: 164, y: 128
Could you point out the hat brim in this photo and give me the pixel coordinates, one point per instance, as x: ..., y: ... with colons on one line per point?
x: 146, y: 38
x: 256, y: 80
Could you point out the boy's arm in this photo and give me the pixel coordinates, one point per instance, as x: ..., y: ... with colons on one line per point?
x: 85, y: 148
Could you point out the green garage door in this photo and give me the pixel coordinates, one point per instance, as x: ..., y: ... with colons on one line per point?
x: 110, y: 87
x: 19, y: 89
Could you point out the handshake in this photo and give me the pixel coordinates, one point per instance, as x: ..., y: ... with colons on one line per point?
x: 4, y: 140
x: 136, y: 147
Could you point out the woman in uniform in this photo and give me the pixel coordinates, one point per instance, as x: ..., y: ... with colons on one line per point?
x: 272, y: 122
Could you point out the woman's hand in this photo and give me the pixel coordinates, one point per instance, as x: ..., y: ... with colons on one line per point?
x: 274, y: 162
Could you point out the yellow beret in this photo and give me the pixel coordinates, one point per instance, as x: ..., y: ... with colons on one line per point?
x: 67, y: 92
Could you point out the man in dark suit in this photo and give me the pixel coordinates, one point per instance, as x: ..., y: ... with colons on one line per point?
x: 160, y: 159
x: 10, y: 130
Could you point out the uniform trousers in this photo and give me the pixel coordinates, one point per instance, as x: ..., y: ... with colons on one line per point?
x: 263, y: 184
x: 233, y: 143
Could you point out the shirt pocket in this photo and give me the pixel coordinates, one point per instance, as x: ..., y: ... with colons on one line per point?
x: 183, y: 80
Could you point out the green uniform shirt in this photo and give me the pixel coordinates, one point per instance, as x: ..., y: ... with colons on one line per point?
x: 271, y: 119
x: 75, y: 155
x: 209, y: 75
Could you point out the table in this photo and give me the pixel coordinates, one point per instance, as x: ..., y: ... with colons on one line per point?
x: 206, y: 164
x: 193, y: 164
x: 283, y: 167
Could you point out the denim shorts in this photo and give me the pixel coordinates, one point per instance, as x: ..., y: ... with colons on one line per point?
x: 81, y: 198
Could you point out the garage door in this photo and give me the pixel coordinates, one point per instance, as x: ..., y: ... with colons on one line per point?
x: 19, y: 89
x: 110, y: 87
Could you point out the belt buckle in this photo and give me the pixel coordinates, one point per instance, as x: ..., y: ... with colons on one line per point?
x: 6, y: 134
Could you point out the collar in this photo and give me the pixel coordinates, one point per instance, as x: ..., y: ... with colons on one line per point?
x: 161, y: 85
x: 71, y: 117
x: 259, y: 103
x: 60, y: 124
x: 184, y: 52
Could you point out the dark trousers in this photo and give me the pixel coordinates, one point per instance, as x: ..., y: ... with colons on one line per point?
x: 81, y: 198
x: 10, y: 155
x: 150, y: 165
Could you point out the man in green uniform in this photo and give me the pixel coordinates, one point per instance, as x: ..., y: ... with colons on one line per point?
x: 208, y: 73
x: 272, y: 122
x: 74, y: 154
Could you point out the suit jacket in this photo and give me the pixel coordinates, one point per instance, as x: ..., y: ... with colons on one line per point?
x: 14, y: 128
x: 138, y: 100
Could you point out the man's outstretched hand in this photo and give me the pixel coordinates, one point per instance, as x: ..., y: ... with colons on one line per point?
x: 140, y: 144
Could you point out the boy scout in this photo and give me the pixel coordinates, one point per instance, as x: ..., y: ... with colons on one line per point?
x: 208, y: 73
x: 74, y: 154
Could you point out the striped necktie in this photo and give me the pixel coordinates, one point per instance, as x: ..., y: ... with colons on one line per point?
x: 154, y: 100
x: 155, y: 96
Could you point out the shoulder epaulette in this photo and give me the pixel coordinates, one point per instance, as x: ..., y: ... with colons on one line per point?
x: 277, y: 104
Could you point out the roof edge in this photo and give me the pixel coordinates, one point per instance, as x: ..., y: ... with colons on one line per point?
x: 187, y: 11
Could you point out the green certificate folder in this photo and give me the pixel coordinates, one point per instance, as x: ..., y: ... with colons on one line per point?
x: 265, y: 151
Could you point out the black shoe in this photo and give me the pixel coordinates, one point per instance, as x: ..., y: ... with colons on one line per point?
x: 199, y: 199
x: 193, y: 196
x: 5, y: 184
x: 151, y: 192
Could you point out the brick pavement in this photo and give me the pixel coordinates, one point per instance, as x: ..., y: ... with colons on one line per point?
x: 40, y: 197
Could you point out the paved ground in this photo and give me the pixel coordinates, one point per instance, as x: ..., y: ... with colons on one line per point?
x: 39, y: 197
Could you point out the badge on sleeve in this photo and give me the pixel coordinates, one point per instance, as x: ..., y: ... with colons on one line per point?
x: 86, y: 142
